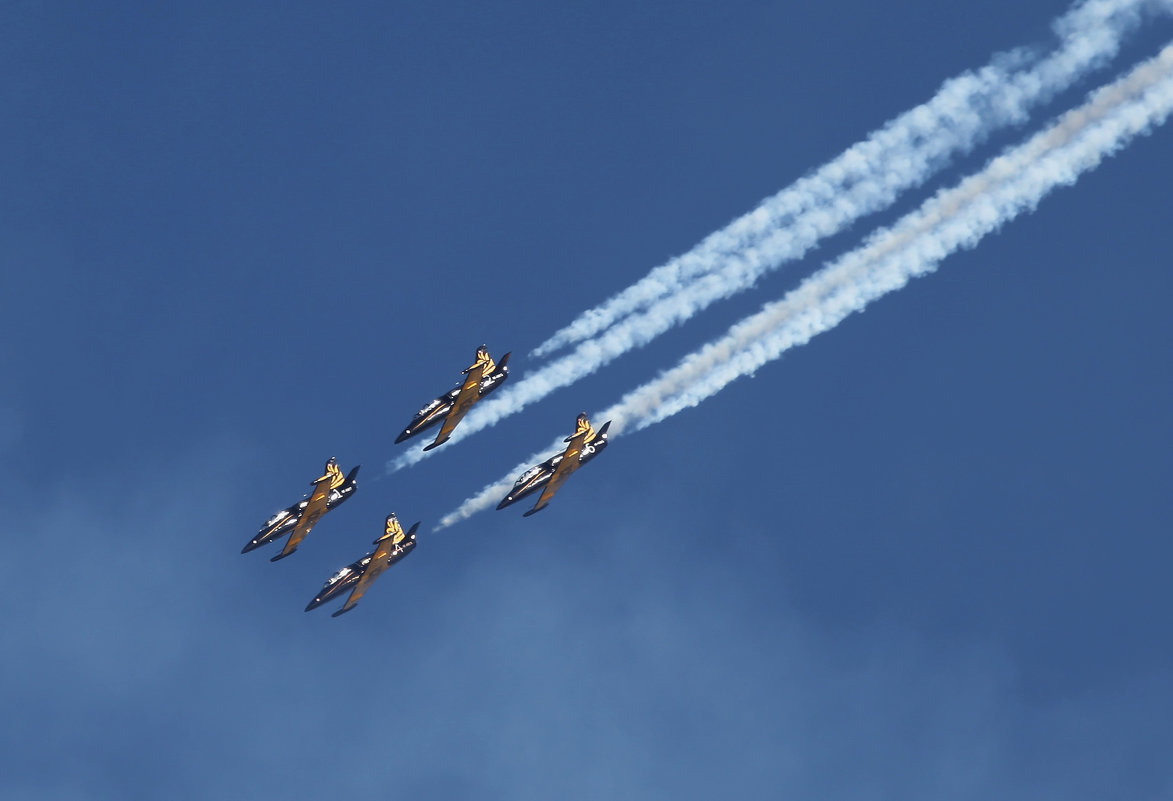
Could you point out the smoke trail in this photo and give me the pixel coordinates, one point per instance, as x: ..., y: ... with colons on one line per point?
x: 954, y: 219
x: 951, y: 220
x: 866, y: 178
x: 902, y: 154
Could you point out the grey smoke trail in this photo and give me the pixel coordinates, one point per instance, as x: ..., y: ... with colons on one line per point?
x: 871, y: 174
x: 866, y: 178
x: 953, y: 219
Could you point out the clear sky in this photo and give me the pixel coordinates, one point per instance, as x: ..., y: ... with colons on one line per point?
x: 923, y: 557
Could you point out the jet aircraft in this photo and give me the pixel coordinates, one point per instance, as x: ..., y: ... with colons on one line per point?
x: 329, y: 491
x: 392, y: 546
x: 585, y: 444
x: 482, y: 378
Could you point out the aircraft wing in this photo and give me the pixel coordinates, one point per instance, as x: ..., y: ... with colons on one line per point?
x: 309, y: 518
x: 470, y: 393
x: 570, y: 462
x: 378, y: 565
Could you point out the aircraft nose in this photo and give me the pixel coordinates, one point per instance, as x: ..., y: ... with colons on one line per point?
x: 402, y: 436
x: 251, y: 546
x: 314, y: 604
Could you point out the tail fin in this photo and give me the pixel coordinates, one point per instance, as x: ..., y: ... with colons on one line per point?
x: 387, y: 528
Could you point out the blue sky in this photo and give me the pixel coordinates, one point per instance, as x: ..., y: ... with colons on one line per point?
x: 921, y: 557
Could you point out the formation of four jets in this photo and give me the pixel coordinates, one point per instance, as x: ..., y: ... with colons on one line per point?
x: 333, y: 488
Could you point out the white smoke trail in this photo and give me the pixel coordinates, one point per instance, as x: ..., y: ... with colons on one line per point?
x: 866, y: 178
x: 951, y: 220
x: 954, y: 219
x: 869, y: 175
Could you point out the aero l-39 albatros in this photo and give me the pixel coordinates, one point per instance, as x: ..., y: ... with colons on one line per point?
x: 392, y: 546
x: 481, y: 378
x: 584, y: 444
x: 330, y: 490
